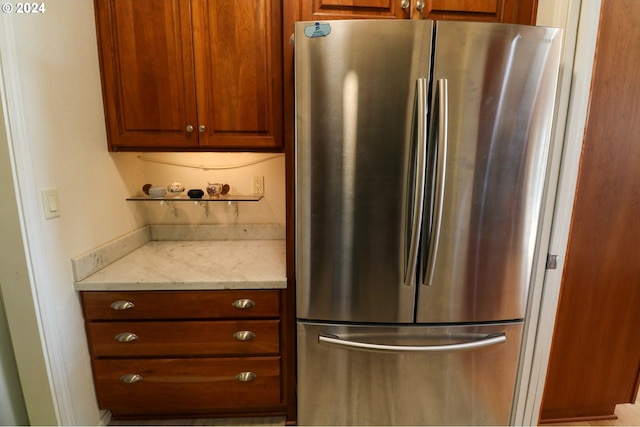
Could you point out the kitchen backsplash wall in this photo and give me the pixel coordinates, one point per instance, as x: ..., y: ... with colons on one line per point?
x: 195, y: 170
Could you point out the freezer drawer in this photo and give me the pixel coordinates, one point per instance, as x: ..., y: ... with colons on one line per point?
x: 467, y: 376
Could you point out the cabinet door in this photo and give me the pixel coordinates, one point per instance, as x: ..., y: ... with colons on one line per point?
x: 508, y: 11
x: 239, y: 72
x: 311, y: 10
x: 147, y: 73
x: 511, y: 11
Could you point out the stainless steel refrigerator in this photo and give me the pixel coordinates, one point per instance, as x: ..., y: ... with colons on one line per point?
x: 421, y: 159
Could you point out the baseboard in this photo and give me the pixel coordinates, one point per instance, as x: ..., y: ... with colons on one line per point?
x: 578, y: 415
x: 105, y: 419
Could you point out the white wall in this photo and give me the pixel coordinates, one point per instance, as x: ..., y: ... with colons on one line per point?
x: 56, y: 123
x: 195, y: 170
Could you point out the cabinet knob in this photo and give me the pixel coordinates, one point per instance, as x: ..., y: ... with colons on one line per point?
x: 405, y: 4
x: 244, y: 335
x: 246, y: 376
x: 201, y: 128
x: 420, y: 5
x: 189, y: 128
x: 122, y: 305
x: 126, y: 337
x: 130, y: 378
x: 243, y: 303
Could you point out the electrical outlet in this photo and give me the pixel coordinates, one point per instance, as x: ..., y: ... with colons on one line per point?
x: 258, y: 185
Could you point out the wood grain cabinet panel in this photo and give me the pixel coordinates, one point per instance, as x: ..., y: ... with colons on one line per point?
x: 184, y: 338
x: 509, y: 11
x: 595, y: 354
x: 350, y: 9
x: 148, y: 75
x: 166, y: 387
x: 180, y: 304
x: 239, y: 72
x: 185, y: 75
x: 187, y: 353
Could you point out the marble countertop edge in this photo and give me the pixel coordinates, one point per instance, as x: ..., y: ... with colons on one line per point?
x: 180, y: 286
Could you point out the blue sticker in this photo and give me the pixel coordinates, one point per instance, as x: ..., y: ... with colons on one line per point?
x: 317, y: 30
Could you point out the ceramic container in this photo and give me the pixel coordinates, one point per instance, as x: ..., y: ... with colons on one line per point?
x: 175, y: 189
x: 157, y: 192
x: 195, y: 193
x: 214, y: 189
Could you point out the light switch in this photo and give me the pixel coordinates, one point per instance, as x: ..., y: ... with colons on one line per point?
x: 50, y: 203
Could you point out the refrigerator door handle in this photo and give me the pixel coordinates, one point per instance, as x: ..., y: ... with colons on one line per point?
x: 441, y: 110
x: 418, y: 196
x: 469, y: 345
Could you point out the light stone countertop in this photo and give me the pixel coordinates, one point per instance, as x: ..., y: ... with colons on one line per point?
x: 184, y: 265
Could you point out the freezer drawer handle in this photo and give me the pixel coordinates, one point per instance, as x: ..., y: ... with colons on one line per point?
x: 471, y: 345
x: 243, y: 303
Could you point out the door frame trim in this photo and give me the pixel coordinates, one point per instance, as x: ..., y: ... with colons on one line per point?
x: 580, y: 18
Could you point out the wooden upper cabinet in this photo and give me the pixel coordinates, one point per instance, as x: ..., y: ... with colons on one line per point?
x: 239, y: 72
x: 183, y: 75
x: 311, y: 10
x: 511, y: 11
x: 508, y: 11
x: 147, y: 72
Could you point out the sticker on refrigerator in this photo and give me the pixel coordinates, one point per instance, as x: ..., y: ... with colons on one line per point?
x: 317, y: 30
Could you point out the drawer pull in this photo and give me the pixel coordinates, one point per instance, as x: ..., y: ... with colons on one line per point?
x: 122, y: 305
x: 126, y: 337
x: 243, y: 303
x: 244, y: 335
x: 130, y: 378
x: 246, y: 376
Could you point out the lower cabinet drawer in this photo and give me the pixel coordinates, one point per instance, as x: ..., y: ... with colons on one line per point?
x: 139, y: 305
x: 184, y: 338
x: 187, y: 386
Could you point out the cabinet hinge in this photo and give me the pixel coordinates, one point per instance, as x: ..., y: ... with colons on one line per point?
x: 552, y: 262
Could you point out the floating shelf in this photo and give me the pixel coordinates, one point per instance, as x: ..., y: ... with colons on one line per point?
x: 227, y: 198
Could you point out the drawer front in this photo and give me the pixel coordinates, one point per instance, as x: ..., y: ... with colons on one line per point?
x: 114, y: 305
x: 184, y: 338
x: 187, y: 386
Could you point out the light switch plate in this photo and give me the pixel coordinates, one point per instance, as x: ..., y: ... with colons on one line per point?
x: 50, y: 203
